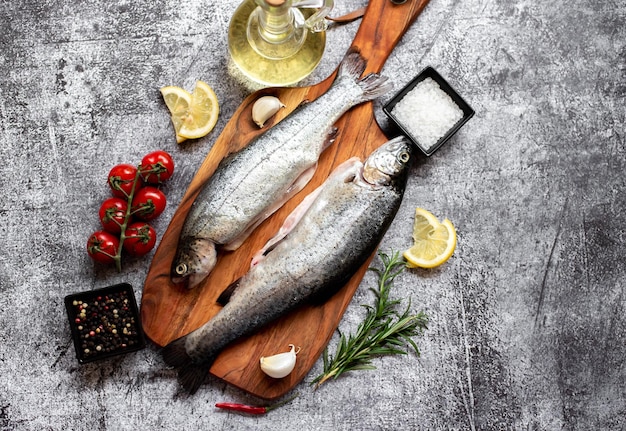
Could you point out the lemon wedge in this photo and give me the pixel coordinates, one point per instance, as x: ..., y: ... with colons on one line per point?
x: 195, y: 114
x: 177, y: 101
x: 434, y: 241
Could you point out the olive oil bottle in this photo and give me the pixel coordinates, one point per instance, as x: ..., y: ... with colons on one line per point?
x: 274, y: 43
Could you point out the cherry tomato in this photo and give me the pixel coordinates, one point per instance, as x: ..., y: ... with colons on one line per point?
x: 148, y: 203
x: 102, y: 246
x: 121, y: 179
x: 112, y: 214
x: 140, y: 239
x: 156, y: 167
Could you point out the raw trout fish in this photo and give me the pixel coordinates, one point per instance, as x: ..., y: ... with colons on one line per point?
x: 319, y: 247
x: 252, y: 184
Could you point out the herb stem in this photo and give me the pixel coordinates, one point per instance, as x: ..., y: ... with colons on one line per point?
x: 383, y: 331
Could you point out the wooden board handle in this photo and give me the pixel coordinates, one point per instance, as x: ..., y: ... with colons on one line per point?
x: 383, y: 25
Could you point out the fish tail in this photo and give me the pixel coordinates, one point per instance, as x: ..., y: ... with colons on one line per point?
x: 373, y: 86
x: 352, y: 65
x: 190, y: 375
x: 175, y: 354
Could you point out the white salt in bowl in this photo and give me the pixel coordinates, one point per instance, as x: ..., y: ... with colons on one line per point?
x: 428, y: 111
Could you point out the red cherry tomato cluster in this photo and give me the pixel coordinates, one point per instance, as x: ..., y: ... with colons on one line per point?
x: 136, y: 200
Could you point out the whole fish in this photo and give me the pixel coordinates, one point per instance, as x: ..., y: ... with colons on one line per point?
x: 320, y: 246
x: 252, y: 184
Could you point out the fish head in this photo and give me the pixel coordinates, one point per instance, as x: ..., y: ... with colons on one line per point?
x: 387, y: 162
x: 194, y: 260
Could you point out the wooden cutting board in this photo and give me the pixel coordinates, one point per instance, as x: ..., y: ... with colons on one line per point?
x: 169, y: 311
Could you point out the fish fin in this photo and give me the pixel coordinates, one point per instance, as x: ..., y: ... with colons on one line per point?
x: 175, y: 353
x: 331, y: 137
x: 225, y: 296
x: 192, y: 376
x: 352, y: 65
x: 374, y: 85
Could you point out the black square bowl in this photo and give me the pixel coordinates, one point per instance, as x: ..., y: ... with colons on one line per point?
x: 429, y: 72
x: 104, y: 322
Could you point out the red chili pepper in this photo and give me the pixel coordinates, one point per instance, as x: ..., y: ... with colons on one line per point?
x: 253, y: 410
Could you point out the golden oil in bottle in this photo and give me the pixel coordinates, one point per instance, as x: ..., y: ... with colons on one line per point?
x: 270, y: 45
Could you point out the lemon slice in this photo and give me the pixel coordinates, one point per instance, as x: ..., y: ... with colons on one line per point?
x: 434, y: 242
x: 193, y: 115
x: 177, y: 101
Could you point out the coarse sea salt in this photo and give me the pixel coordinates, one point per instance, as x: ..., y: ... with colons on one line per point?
x: 427, y: 113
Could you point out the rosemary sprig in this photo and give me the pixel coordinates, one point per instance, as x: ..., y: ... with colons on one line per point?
x: 383, y: 331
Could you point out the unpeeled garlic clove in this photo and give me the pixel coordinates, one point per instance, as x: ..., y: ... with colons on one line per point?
x: 280, y: 365
x: 264, y: 108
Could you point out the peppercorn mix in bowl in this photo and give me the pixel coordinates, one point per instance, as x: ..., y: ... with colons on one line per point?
x: 104, y: 322
x: 428, y: 111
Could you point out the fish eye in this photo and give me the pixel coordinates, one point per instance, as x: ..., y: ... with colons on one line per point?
x: 181, y: 269
x: 404, y: 157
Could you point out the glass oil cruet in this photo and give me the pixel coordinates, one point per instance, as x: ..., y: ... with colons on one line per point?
x: 278, y: 42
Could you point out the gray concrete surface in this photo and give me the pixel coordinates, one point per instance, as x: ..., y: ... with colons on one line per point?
x: 528, y: 317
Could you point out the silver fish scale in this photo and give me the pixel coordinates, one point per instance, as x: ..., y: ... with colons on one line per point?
x: 344, y: 223
x: 264, y: 171
x: 336, y: 235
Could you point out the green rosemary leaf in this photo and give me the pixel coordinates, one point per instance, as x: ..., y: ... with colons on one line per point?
x: 362, y: 367
x: 383, y: 331
x: 325, y: 358
x: 398, y: 342
x: 390, y: 351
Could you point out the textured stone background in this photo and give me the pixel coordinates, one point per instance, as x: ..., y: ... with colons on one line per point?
x: 527, y: 318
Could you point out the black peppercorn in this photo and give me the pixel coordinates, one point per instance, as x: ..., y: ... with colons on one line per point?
x: 97, y: 318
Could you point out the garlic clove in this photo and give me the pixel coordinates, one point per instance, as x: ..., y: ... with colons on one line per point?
x: 264, y: 108
x: 281, y: 364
